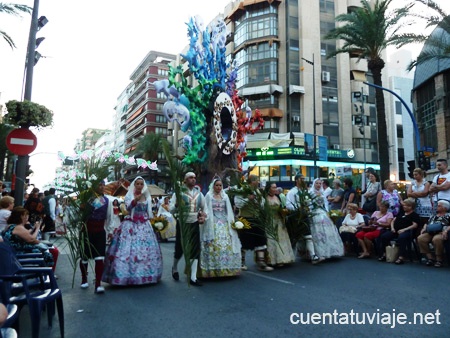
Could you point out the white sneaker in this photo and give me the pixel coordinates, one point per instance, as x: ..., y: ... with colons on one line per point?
x: 100, y: 289
x: 244, y: 267
x: 84, y: 285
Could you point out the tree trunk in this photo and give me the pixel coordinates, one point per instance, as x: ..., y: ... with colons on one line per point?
x: 375, y: 67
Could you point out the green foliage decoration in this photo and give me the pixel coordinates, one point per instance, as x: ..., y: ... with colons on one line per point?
x: 27, y: 114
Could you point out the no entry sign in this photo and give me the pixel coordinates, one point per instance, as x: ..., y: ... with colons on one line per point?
x: 21, y: 141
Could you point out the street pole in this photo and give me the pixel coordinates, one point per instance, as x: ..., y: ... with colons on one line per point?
x: 22, y: 162
x: 316, y: 175
x: 314, y: 119
x: 363, y: 123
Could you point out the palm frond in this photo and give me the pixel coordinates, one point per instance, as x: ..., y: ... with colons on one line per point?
x: 15, y: 9
x: 8, y: 39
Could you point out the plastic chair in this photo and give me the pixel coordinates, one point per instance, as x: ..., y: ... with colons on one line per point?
x: 7, y: 330
x: 46, y: 295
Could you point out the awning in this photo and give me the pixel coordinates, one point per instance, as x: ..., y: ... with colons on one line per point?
x: 267, y: 143
x: 136, y: 113
x: 358, y: 75
x: 255, y: 90
x: 271, y: 112
x: 296, y: 89
x: 299, y: 138
x: 276, y: 88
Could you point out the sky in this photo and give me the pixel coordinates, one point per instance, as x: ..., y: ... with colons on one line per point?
x: 91, y: 48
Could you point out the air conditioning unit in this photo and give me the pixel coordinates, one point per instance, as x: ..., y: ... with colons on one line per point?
x: 336, y: 146
x: 325, y: 76
x: 296, y: 118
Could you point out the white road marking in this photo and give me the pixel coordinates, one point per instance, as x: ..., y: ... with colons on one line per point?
x: 270, y: 278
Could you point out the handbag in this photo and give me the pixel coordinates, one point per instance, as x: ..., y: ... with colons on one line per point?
x: 370, y: 205
x: 347, y: 228
x: 434, y: 227
x: 391, y: 253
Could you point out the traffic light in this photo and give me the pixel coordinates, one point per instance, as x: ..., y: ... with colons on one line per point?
x: 411, y: 167
x: 421, y: 160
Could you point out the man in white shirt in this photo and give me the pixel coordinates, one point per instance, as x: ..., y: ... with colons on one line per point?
x: 195, y: 200
x: 293, y: 204
x: 440, y: 188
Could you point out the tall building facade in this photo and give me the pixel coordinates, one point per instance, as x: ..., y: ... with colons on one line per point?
x: 400, y: 124
x: 285, y: 72
x: 143, y: 106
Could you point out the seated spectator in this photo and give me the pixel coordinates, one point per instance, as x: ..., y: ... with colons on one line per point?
x: 350, y: 225
x: 437, y: 238
x: 403, y: 229
x: 6, y: 205
x: 378, y: 224
x: 24, y: 240
x: 390, y: 194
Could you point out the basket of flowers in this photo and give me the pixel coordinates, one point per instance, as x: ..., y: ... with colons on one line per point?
x: 159, y: 223
x: 241, y: 223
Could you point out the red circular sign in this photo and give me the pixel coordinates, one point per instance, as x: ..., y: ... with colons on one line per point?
x: 21, y: 141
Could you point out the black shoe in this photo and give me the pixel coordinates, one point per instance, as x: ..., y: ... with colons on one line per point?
x: 196, y: 283
x: 175, y: 275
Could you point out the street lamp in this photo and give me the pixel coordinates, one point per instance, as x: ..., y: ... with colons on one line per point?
x: 314, y: 113
x: 22, y: 162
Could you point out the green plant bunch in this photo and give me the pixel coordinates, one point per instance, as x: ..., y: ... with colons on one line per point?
x: 298, y: 221
x: 27, y: 114
x: 79, y: 207
x: 262, y: 212
x: 177, y: 170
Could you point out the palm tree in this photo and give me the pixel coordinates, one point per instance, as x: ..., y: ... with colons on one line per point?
x: 16, y: 10
x: 437, y: 45
x: 150, y: 145
x: 367, y: 32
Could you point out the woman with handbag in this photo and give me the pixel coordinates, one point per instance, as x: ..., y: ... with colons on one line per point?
x: 373, y: 187
x: 403, y: 229
x: 378, y: 224
x: 419, y: 189
x: 435, y: 231
x: 350, y: 225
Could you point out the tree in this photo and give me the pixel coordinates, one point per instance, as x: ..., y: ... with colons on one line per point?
x: 437, y: 46
x: 16, y: 10
x: 150, y: 145
x: 367, y: 32
x: 4, y: 152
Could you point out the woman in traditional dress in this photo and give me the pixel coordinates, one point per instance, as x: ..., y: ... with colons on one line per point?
x: 220, y: 248
x: 326, y: 239
x: 163, y: 210
x: 134, y: 256
x: 279, y: 253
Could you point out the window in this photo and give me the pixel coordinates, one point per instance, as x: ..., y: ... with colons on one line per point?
x: 398, y: 107
x: 257, y: 73
x: 160, y: 119
x: 256, y: 28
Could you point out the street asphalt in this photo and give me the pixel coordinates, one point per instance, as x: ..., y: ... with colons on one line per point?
x: 303, y: 300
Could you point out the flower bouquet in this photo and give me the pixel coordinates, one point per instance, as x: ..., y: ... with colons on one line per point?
x: 159, y: 223
x: 335, y: 215
x: 240, y: 224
